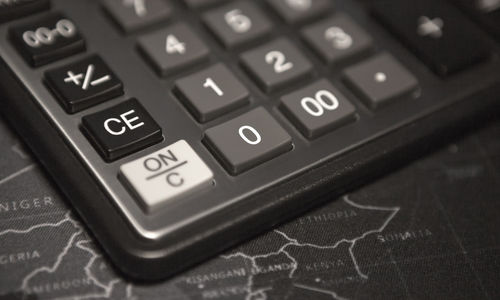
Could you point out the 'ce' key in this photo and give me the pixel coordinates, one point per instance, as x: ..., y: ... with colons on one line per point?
x: 122, y: 129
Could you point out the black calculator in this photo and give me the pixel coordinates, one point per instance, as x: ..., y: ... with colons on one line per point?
x: 178, y: 128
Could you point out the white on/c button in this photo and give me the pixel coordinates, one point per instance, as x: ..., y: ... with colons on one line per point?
x: 167, y: 174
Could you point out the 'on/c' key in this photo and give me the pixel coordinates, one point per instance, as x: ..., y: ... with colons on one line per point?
x: 165, y: 175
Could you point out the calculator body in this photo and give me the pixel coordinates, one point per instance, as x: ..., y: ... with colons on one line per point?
x: 150, y: 241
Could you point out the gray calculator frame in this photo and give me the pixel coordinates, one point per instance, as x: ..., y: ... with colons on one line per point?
x: 188, y: 230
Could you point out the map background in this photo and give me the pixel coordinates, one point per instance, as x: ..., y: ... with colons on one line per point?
x: 427, y: 231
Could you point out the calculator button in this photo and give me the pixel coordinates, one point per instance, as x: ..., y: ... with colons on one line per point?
x: 47, y: 39
x: 168, y: 174
x: 132, y: 15
x: 84, y: 83
x: 380, y: 79
x: 276, y: 64
x: 297, y: 11
x: 121, y: 129
x: 248, y: 140
x: 436, y: 31
x: 201, y: 3
x: 237, y: 23
x: 13, y: 9
x: 212, y: 92
x: 486, y: 13
x: 337, y: 39
x: 173, y: 48
x: 317, y: 109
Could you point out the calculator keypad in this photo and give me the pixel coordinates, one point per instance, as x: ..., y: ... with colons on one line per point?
x: 237, y: 23
x: 212, y: 92
x: 337, y: 39
x: 241, y: 96
x: 248, y: 140
x: 47, y: 39
x: 121, y: 129
x: 244, y: 141
x: 276, y: 64
x: 133, y: 15
x: 173, y: 48
x: 83, y: 84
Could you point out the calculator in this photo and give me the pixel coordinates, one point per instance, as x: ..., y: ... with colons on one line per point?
x: 179, y: 128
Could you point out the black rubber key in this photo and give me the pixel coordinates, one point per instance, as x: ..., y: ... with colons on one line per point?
x: 380, y: 80
x: 317, y: 109
x: 436, y: 31
x: 248, y: 140
x: 133, y: 15
x: 237, y: 23
x: 83, y: 84
x: 212, y: 92
x: 337, y: 39
x: 121, y: 129
x: 276, y: 64
x: 47, y: 39
x: 173, y: 48
x: 13, y: 9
